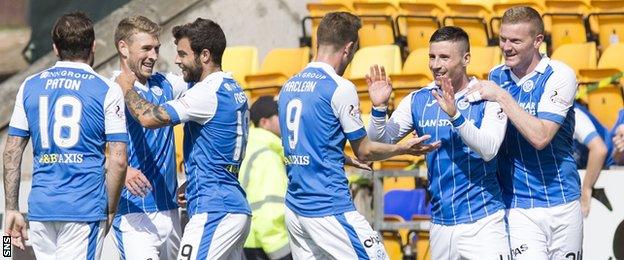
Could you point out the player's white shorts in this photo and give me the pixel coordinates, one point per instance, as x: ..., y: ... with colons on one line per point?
x: 546, y: 233
x: 215, y: 236
x: 154, y: 235
x: 484, y: 239
x: 53, y: 240
x: 341, y: 236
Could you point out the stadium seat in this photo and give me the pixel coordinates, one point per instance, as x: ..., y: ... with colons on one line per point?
x: 279, y: 65
x: 418, y: 21
x: 473, y: 18
x: 240, y: 61
x: 388, y: 56
x: 482, y: 60
x: 564, y: 21
x: 577, y: 55
x: 399, y: 183
x: 609, y: 26
x: 415, y: 74
x: 606, y: 101
x: 377, y: 22
x: 393, y: 243
x: 405, y: 203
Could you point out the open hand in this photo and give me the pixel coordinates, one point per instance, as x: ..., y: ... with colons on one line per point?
x: 446, y: 96
x: 137, y: 183
x: 379, y: 86
x: 16, y: 228
x: 417, y: 146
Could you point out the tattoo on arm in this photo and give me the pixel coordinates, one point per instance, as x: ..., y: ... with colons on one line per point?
x: 12, y: 172
x: 142, y: 110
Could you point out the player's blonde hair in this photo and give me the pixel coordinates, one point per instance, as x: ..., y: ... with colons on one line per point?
x: 524, y: 14
x: 135, y: 24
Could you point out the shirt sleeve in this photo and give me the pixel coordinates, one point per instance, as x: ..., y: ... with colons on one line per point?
x: 398, y: 126
x: 584, y: 129
x: 114, y: 115
x: 19, y: 123
x: 198, y: 104
x: 558, y: 96
x: 178, y: 84
x: 346, y: 106
x: 485, y: 140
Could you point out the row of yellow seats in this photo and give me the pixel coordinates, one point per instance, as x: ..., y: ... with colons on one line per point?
x: 564, y: 19
x: 605, y: 102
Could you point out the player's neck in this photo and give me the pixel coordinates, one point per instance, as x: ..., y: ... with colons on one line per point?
x: 327, y: 54
x: 461, y: 83
x: 209, y: 69
x: 523, y: 69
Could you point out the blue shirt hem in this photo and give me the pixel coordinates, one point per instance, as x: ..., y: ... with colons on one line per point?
x: 175, y: 118
x: 13, y: 131
x: 356, y: 135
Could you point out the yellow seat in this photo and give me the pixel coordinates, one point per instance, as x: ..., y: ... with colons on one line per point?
x: 415, y: 72
x: 419, y: 20
x: 388, y: 56
x: 577, y: 55
x: 482, y: 60
x: 240, y: 61
x: 279, y: 65
x: 473, y: 18
x: 377, y: 22
x: 178, y: 137
x: 399, y: 183
x: 609, y: 27
x: 605, y: 102
x: 392, y: 243
x: 564, y: 21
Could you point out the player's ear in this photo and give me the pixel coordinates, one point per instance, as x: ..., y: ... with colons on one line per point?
x: 123, y: 48
x: 466, y: 59
x: 538, y: 41
x: 204, y: 56
x: 56, y: 51
x: 349, y: 48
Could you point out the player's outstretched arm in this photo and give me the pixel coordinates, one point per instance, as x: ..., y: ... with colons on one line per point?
x: 366, y: 150
x: 117, y: 163
x: 539, y: 132
x: 14, y: 221
x: 148, y: 114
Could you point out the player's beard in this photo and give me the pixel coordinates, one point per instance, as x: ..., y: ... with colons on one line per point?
x: 193, y: 73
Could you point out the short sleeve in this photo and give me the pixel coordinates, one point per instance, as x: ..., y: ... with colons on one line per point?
x: 19, y: 123
x: 584, y: 129
x: 198, y: 104
x: 114, y: 115
x: 559, y: 93
x: 346, y: 107
x: 178, y: 84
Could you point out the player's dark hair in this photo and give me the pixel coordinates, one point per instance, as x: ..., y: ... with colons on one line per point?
x: 264, y: 107
x: 453, y: 34
x: 203, y: 34
x: 73, y: 36
x: 338, y: 29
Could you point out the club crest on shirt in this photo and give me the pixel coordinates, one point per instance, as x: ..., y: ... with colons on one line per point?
x: 354, y: 111
x: 157, y: 90
x: 462, y: 104
x: 500, y: 114
x: 528, y: 86
x: 555, y: 98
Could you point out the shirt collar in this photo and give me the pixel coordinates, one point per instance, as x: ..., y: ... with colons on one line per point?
x: 540, y: 68
x: 74, y: 65
x: 322, y: 65
x: 216, y: 75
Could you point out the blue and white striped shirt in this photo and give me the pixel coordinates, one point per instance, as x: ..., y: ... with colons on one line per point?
x: 462, y: 172
x: 548, y: 177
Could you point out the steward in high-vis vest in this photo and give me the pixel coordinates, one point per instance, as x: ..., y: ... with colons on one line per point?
x: 263, y: 176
